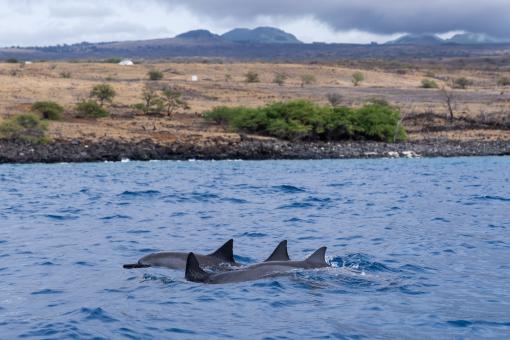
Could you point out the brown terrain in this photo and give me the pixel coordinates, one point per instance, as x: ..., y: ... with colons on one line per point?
x: 482, y: 111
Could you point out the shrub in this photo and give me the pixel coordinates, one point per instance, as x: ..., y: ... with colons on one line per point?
x: 90, y: 109
x: 65, y: 75
x: 26, y: 128
x: 335, y: 99
x: 228, y: 77
x: 49, y: 110
x: 112, y: 61
x: 429, y: 84
x: 462, y: 83
x: 307, y: 79
x: 103, y: 93
x: 155, y: 75
x: 12, y: 61
x: 357, y: 78
x: 505, y: 81
x: 304, y: 120
x: 280, y: 78
x: 252, y: 77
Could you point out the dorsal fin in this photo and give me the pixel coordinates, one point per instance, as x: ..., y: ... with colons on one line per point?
x: 225, y: 252
x: 193, y: 271
x: 319, y: 257
x: 280, y: 253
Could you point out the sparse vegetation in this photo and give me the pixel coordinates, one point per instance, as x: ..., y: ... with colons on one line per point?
x: 252, y: 77
x: 48, y: 110
x: 112, y: 61
x: 462, y: 83
x: 304, y: 120
x: 358, y: 78
x: 429, y: 84
x: 25, y: 128
x: 90, y: 109
x: 12, y: 61
x: 280, y: 78
x: 228, y: 77
x: 155, y: 75
x: 307, y: 79
x: 103, y: 93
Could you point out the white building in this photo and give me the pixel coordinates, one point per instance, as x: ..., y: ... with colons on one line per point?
x: 126, y: 62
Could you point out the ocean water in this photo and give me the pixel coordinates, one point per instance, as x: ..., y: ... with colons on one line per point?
x: 420, y: 249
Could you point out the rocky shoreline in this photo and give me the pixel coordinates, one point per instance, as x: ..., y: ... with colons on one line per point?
x: 112, y: 150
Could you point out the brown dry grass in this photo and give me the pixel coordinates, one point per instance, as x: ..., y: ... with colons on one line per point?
x: 20, y: 86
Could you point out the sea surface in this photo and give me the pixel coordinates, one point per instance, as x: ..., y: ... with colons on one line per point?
x: 420, y: 249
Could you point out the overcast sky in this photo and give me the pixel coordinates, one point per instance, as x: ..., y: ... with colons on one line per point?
x: 45, y: 22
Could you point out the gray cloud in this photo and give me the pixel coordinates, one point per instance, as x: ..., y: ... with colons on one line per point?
x: 376, y: 16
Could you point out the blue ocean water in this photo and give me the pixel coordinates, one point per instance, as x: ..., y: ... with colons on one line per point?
x: 420, y: 248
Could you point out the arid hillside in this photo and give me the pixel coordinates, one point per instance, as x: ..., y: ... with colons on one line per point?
x: 481, y: 110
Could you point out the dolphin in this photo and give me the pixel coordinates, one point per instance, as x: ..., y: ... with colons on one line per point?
x: 195, y: 273
x: 177, y: 260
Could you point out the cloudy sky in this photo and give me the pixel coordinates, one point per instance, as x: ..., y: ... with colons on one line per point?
x: 45, y: 22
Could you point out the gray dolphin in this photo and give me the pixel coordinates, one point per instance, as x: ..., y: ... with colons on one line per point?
x: 195, y: 273
x: 177, y: 260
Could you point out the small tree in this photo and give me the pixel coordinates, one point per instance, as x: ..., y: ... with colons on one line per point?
x: 48, y: 110
x: 280, y: 78
x: 90, y: 109
x: 307, y: 79
x: 152, y: 104
x: 228, y: 77
x: 357, y: 78
x: 103, y: 93
x: 252, y: 77
x: 462, y: 83
x: 172, y: 100
x: 429, y: 84
x: 155, y: 75
x: 335, y: 99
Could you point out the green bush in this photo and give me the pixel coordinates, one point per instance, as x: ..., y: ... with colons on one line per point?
x: 12, y: 61
x: 280, y: 78
x: 155, y: 75
x: 462, y: 83
x: 429, y: 84
x: 49, y: 110
x: 357, y: 78
x: 26, y: 128
x: 90, y: 109
x: 304, y: 120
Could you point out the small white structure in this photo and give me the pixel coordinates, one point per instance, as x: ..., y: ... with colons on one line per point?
x: 28, y: 63
x: 126, y: 62
x: 194, y: 78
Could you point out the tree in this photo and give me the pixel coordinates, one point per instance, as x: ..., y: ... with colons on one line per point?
x: 27, y: 128
x: 48, y: 110
x: 152, y: 104
x: 335, y: 99
x: 449, y: 99
x: 155, y: 75
x: 172, y: 100
x: 280, y: 78
x: 505, y: 81
x: 252, y: 77
x: 357, y: 78
x: 307, y: 79
x: 103, y: 93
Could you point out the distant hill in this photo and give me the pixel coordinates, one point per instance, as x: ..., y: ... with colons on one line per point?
x: 417, y: 39
x: 260, y: 35
x: 474, y: 38
x: 200, y: 35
